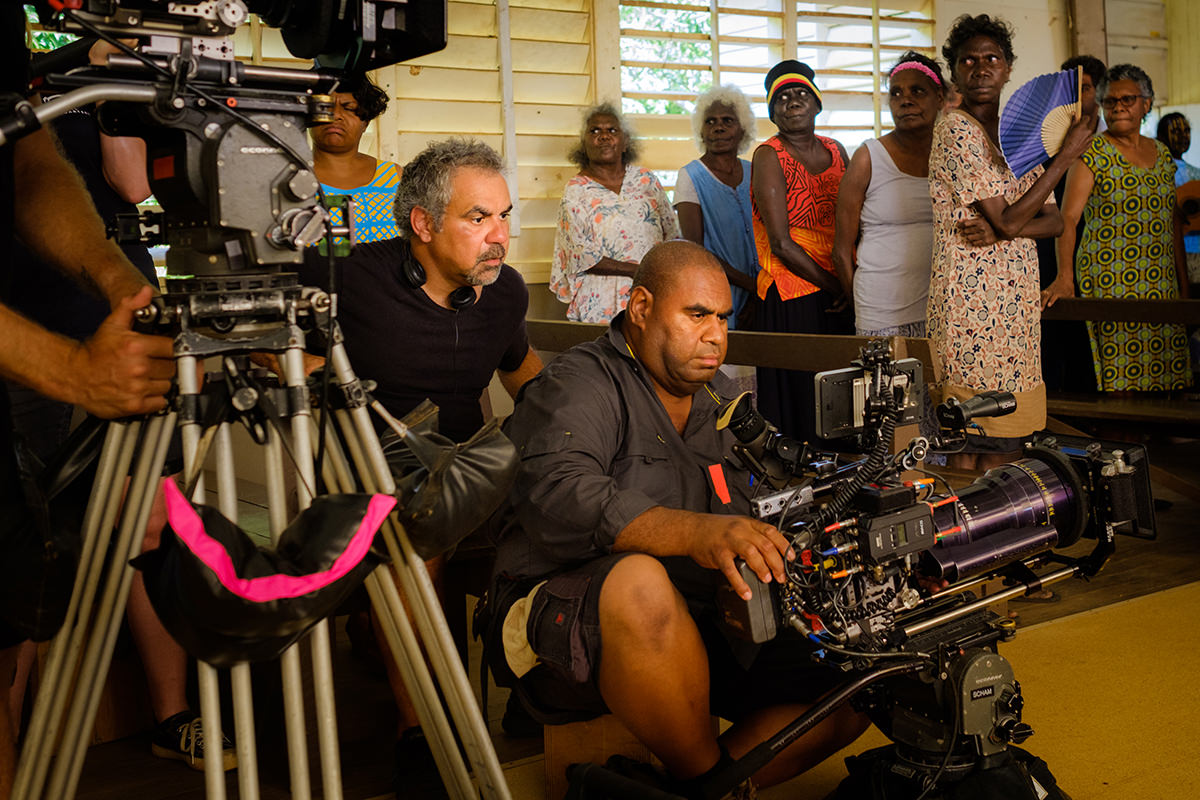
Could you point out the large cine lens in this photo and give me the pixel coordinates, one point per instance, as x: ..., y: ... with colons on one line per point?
x: 1012, y: 512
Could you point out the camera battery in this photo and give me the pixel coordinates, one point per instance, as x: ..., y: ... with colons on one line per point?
x: 891, y: 536
x: 881, y: 499
x: 753, y: 619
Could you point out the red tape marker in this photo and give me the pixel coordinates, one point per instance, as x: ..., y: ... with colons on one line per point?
x: 717, y: 475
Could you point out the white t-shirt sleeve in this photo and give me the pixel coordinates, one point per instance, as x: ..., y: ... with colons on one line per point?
x: 685, y: 191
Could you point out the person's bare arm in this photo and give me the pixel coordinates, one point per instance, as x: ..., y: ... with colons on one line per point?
x: 691, y: 224
x: 611, y: 266
x: 529, y: 368
x: 1079, y: 185
x: 57, y: 221
x: 852, y: 193
x: 115, y: 373
x: 770, y: 196
x: 123, y: 161
x: 711, y: 540
x: 1028, y: 216
x: 122, y: 158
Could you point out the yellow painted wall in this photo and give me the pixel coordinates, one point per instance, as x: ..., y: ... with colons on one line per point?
x: 1183, y: 52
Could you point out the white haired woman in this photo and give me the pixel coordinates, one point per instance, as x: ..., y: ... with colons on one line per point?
x: 712, y: 193
x: 612, y: 212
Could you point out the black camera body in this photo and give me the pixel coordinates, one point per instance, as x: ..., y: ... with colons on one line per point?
x: 227, y: 154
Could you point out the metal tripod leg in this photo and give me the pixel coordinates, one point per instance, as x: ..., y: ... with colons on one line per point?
x: 289, y: 662
x: 45, y: 723
x: 424, y: 604
x: 322, y: 658
x: 206, y: 675
x: 239, y: 674
x: 111, y: 611
x: 83, y: 649
x: 401, y: 639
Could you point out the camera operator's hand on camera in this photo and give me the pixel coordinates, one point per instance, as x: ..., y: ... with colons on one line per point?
x: 719, y: 540
x: 119, y: 372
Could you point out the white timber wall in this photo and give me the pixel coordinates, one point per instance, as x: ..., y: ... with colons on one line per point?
x: 565, y: 56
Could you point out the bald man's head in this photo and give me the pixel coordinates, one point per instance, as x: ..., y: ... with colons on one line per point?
x: 676, y: 320
x: 668, y: 260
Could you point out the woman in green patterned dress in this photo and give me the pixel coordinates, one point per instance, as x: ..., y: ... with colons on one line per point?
x: 1124, y: 186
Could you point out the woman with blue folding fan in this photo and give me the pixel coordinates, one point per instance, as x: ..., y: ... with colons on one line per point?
x: 983, y: 309
x: 1124, y: 187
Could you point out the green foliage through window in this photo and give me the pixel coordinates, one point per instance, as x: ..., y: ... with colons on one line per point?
x: 46, y: 40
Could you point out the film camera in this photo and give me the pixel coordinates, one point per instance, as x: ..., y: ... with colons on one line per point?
x: 227, y: 154
x: 885, y: 568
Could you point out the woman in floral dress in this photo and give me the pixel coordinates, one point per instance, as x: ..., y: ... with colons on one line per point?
x: 984, y: 305
x: 611, y: 213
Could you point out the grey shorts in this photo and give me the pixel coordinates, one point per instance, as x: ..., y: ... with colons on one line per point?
x: 563, y: 629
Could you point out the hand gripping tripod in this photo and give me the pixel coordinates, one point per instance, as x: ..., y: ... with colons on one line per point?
x: 229, y: 317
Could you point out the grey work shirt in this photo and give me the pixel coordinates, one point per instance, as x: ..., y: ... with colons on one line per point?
x: 597, y: 449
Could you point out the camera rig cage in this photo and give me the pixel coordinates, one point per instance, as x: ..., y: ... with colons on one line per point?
x: 887, y: 568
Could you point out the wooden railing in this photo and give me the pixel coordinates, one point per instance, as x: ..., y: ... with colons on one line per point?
x: 816, y: 353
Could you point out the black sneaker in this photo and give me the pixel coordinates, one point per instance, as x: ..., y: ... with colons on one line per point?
x: 181, y: 737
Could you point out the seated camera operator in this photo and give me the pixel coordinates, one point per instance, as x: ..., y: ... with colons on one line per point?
x: 626, y: 517
x: 114, y: 373
x: 434, y: 314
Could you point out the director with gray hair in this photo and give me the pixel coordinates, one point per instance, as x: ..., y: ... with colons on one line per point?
x: 612, y: 212
x: 435, y: 313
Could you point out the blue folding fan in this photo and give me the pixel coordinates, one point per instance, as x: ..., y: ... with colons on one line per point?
x: 1035, y: 119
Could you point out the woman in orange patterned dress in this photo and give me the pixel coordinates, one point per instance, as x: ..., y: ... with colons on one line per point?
x: 793, y: 187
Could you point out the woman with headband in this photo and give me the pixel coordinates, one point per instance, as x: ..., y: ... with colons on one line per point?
x: 884, y: 198
x: 984, y: 299
x: 793, y: 188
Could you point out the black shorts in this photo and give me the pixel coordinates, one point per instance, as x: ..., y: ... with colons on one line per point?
x: 564, y: 630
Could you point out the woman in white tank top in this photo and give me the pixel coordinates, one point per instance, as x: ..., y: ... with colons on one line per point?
x: 884, y: 208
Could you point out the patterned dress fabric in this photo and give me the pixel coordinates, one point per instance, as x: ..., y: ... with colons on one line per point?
x: 1128, y: 250
x: 984, y: 302
x: 811, y: 203
x: 594, y: 223
x: 374, y: 204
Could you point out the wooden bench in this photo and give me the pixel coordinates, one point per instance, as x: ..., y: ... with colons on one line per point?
x: 1180, y: 411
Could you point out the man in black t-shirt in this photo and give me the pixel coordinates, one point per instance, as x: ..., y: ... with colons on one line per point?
x: 434, y: 314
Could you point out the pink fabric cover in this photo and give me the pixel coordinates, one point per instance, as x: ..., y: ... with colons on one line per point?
x: 190, y: 529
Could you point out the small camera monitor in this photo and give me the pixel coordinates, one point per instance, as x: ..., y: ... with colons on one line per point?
x: 842, y: 397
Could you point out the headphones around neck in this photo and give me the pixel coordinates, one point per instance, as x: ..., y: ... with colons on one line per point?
x: 414, y: 276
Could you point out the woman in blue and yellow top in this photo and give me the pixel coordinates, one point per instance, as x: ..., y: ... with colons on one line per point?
x: 342, y: 169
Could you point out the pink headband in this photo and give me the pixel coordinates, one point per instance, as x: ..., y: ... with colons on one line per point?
x: 917, y: 65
